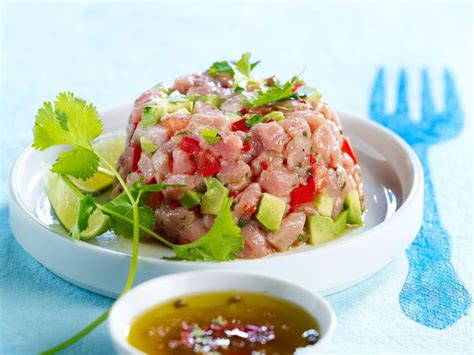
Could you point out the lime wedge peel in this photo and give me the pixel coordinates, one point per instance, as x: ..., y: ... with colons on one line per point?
x: 65, y: 202
x: 110, y: 149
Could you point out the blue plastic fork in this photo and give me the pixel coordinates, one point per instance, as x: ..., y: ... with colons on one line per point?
x: 433, y: 295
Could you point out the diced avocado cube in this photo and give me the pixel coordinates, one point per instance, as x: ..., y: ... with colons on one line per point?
x: 175, y: 106
x: 270, y: 212
x: 147, y: 145
x: 320, y: 229
x: 191, y: 199
x: 275, y: 116
x: 152, y: 115
x: 352, y: 204
x: 212, y: 99
x: 340, y: 223
x: 214, y: 196
x: 324, y: 204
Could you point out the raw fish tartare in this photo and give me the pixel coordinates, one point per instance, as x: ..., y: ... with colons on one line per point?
x: 275, y: 147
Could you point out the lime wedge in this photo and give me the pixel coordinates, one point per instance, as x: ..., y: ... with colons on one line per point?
x: 110, y: 149
x: 65, y: 202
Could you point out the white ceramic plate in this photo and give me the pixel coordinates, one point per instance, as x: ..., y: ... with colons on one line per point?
x: 393, y: 184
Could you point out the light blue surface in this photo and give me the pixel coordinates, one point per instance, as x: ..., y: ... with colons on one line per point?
x: 109, y: 53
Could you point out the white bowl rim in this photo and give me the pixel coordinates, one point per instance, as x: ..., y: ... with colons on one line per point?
x: 416, y: 184
x: 114, y: 328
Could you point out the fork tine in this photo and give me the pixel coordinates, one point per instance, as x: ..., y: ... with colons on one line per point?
x: 451, y: 98
x: 377, y: 98
x: 402, y: 101
x: 427, y: 104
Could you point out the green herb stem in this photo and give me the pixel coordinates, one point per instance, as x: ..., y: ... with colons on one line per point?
x: 106, y: 172
x: 133, y: 263
x: 78, y: 336
x: 119, y: 178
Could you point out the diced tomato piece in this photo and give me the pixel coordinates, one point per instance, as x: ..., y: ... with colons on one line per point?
x: 207, y: 163
x: 152, y: 181
x: 244, y: 111
x: 246, y: 147
x: 264, y: 165
x: 347, y: 148
x: 303, y: 193
x: 154, y: 199
x: 137, y: 152
x: 240, y: 125
x: 233, y: 193
x: 312, y: 160
x: 189, y: 145
x: 174, y: 204
x: 171, y: 165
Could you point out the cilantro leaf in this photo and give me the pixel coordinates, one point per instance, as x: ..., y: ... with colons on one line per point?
x: 222, y: 242
x: 244, y: 66
x: 273, y: 94
x: 221, y: 67
x: 79, y: 162
x: 72, y: 121
x: 121, y: 205
x: 86, y: 208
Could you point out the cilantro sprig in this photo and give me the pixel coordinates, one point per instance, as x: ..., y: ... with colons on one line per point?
x: 73, y: 122
x: 274, y: 94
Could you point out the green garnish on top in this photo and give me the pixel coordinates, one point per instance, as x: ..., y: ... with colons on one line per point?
x: 274, y: 94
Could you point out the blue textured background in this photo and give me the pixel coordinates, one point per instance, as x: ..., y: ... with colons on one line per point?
x: 108, y: 53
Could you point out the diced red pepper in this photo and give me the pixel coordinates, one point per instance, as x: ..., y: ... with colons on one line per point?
x: 240, y: 125
x: 249, y: 209
x: 137, y: 152
x: 346, y: 148
x: 303, y: 194
x: 246, y: 147
x: 312, y: 160
x: 171, y: 165
x: 244, y: 111
x: 151, y: 181
x: 233, y: 193
x: 264, y: 165
x: 207, y: 163
x: 189, y: 145
x: 174, y: 204
x: 133, y: 129
x: 154, y: 199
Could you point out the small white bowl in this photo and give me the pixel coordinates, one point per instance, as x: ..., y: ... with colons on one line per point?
x: 159, y: 290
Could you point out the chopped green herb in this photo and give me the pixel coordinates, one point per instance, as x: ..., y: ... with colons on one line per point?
x: 244, y: 66
x: 242, y: 222
x: 211, y: 136
x: 343, y: 186
x: 299, y: 165
x: 239, y: 90
x: 221, y: 67
x: 301, y: 237
x: 247, y: 139
x: 273, y: 94
x: 308, y: 172
x: 253, y: 120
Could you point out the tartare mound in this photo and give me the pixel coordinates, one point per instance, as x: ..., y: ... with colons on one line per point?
x: 275, y: 147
